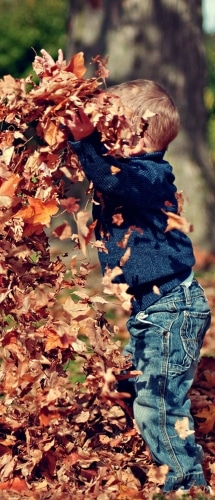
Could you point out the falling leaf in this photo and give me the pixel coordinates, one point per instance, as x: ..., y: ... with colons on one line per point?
x: 115, y: 170
x: 182, y: 428
x: 117, y: 219
x: 84, y: 232
x: 70, y: 204
x: 125, y: 257
x: 63, y: 231
x: 180, y: 199
x: 123, y: 243
x: 38, y: 211
x: 77, y: 310
x: 102, y: 71
x: 76, y: 65
x: 175, y: 221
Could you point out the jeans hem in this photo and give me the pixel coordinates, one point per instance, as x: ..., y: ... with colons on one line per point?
x: 188, y: 482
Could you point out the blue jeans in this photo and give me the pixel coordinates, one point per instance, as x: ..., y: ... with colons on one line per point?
x: 165, y: 342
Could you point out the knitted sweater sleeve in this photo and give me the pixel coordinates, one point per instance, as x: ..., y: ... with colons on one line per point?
x: 131, y: 179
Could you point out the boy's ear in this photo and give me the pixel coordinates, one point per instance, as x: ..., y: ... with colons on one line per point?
x: 147, y: 140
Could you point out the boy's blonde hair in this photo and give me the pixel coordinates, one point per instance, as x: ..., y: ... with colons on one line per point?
x: 142, y: 95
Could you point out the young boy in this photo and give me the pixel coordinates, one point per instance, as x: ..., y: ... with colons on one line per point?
x: 170, y: 314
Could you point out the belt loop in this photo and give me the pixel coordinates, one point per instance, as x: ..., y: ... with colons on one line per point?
x: 187, y: 295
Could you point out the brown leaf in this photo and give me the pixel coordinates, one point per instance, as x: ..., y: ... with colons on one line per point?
x: 84, y: 232
x: 102, y: 71
x: 63, y: 231
x: 70, y: 204
x: 46, y: 416
x: 207, y: 413
x: 115, y: 170
x: 76, y: 65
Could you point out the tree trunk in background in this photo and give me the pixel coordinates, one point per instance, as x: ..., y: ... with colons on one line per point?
x: 160, y: 40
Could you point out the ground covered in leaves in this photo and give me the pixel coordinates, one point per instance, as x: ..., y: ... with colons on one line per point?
x: 60, y: 438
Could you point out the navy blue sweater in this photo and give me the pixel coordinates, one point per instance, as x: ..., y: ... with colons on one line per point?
x: 140, y: 189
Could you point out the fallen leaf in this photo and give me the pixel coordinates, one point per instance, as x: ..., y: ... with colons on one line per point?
x: 9, y: 186
x: 16, y: 484
x: 208, y: 413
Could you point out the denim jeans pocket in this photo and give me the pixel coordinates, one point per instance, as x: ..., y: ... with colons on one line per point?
x: 193, y: 329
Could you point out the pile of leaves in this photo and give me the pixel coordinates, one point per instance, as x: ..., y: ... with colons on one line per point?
x: 58, y: 439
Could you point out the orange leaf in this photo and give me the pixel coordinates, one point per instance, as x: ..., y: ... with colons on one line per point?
x: 9, y: 186
x: 72, y: 458
x: 76, y: 65
x: 53, y: 339
x: 15, y: 484
x: 46, y: 416
x: 175, y: 221
x: 38, y: 211
x: 115, y: 170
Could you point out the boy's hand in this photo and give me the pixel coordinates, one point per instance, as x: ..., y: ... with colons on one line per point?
x: 79, y: 124
x: 48, y: 64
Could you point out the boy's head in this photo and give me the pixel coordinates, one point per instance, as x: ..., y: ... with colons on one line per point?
x: 142, y: 95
